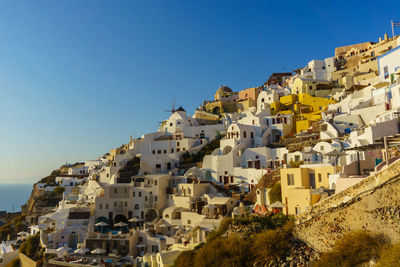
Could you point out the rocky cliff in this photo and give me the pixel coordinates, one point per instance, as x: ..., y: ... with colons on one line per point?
x: 372, y: 205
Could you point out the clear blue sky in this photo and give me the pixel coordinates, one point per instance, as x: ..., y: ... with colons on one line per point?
x: 77, y: 78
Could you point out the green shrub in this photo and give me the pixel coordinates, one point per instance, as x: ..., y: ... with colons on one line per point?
x: 275, y: 193
x: 232, y: 251
x: 13, y: 263
x: 270, y: 245
x: 31, y: 246
x: 390, y: 256
x: 353, y: 249
x: 221, y: 229
x: 259, y: 223
x: 185, y: 259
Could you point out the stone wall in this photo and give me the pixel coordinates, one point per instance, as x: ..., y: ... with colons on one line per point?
x: 372, y: 205
x: 25, y: 261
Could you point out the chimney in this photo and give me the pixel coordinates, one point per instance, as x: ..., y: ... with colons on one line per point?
x: 386, y: 36
x: 380, y: 39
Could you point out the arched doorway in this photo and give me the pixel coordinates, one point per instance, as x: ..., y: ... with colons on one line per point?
x: 216, y: 111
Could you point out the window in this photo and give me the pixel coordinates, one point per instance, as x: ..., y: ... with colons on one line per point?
x: 155, y: 182
x: 319, y: 177
x: 183, y: 149
x: 386, y: 72
x: 134, y: 194
x: 262, y: 100
x: 154, y: 152
x: 145, y: 198
x: 125, y: 190
x: 159, y: 151
x: 172, y: 150
x: 155, y: 198
x: 189, y: 222
x: 177, y: 143
x: 106, y: 206
x: 158, y: 166
x: 100, y: 206
x: 244, y: 134
x: 170, y: 124
x: 290, y: 179
x: 115, y: 190
x: 115, y: 204
x: 140, y: 194
x: 126, y: 204
x: 310, y: 87
x: 165, y: 151
x: 136, y: 206
x: 322, y: 148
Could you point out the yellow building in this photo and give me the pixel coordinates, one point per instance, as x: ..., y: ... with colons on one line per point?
x: 305, y: 108
x: 298, y: 184
x: 310, y: 86
x: 227, y: 101
x: 357, y: 64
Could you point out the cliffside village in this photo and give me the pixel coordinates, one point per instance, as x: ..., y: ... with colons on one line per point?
x: 318, y: 130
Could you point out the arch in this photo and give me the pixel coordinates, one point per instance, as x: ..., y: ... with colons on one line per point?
x: 276, y: 135
x: 150, y: 215
x: 244, y: 134
x: 120, y: 218
x: 226, y: 150
x: 216, y: 110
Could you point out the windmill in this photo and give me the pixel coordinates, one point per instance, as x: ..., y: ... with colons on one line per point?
x: 172, y: 110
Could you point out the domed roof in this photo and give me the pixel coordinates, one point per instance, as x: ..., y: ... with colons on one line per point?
x: 224, y: 89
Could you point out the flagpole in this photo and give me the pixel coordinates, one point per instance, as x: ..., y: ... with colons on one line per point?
x: 391, y: 22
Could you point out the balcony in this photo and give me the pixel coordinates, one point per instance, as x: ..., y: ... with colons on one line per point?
x: 109, y: 236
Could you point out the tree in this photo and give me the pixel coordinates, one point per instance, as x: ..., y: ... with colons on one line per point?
x: 59, y: 190
x: 275, y: 193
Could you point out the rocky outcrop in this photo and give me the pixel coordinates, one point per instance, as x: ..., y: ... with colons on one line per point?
x: 40, y: 201
x: 372, y: 205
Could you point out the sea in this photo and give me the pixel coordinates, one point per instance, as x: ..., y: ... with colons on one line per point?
x: 13, y: 196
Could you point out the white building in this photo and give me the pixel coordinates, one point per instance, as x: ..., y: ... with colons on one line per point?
x: 389, y: 63
x: 319, y: 69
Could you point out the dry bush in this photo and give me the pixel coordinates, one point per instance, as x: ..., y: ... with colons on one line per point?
x: 270, y: 245
x: 353, y: 249
x: 185, y: 259
x: 232, y: 252
x: 390, y: 256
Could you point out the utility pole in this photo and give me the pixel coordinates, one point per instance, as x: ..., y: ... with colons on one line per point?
x: 386, y: 150
x: 391, y: 23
